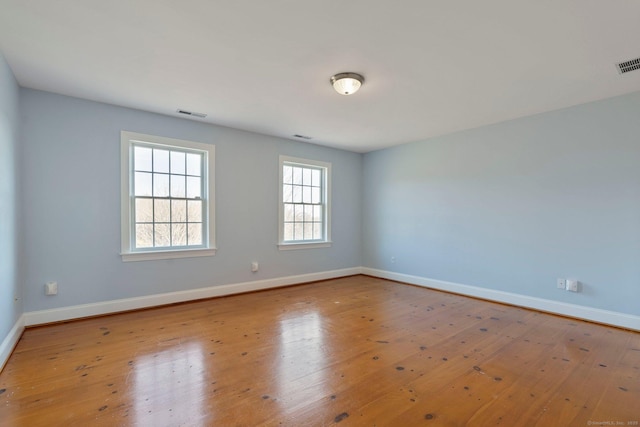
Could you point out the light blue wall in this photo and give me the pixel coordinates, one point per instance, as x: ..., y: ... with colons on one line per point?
x: 508, y: 207
x: 516, y: 205
x: 10, y: 278
x: 72, y: 205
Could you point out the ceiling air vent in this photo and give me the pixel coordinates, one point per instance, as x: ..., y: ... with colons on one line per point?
x: 191, y: 113
x: 302, y: 136
x: 626, y: 66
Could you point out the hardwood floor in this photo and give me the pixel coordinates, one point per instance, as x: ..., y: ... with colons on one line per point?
x: 354, y: 351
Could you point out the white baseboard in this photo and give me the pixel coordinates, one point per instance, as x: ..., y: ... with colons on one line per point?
x: 623, y: 320
x: 10, y: 341
x: 114, y: 306
x: 32, y: 318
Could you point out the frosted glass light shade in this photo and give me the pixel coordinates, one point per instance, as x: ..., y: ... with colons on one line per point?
x: 347, y: 83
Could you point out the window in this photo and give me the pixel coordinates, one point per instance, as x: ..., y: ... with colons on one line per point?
x: 304, y: 203
x: 167, y: 198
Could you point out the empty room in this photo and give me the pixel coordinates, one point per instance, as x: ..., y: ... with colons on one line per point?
x: 353, y: 213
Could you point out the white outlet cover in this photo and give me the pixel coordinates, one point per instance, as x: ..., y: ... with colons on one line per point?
x: 572, y: 285
x: 51, y: 288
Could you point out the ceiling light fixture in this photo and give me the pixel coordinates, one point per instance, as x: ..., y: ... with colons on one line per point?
x: 347, y: 83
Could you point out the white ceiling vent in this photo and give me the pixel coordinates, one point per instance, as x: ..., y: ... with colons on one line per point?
x: 191, y: 113
x: 626, y: 66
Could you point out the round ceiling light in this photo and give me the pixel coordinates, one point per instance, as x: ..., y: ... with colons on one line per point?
x: 347, y: 83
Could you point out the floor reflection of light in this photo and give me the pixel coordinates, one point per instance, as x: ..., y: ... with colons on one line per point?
x: 169, y: 386
x: 302, y: 357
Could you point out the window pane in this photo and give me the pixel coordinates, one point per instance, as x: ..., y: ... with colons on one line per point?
x: 162, y: 235
x: 144, y: 235
x: 287, y: 193
x: 179, y: 234
x: 178, y: 210
x: 298, y: 213
x: 160, y: 185
x: 297, y: 194
x: 142, y: 184
x: 306, y: 176
x: 317, y: 231
x: 317, y: 213
x: 161, y: 212
x: 195, y: 234
x: 194, y: 165
x: 306, y: 194
x: 315, y: 195
x: 315, y: 177
x: 297, y: 176
x: 298, y: 231
x: 287, y: 174
x: 144, y: 210
x: 160, y: 160
x: 194, y: 211
x: 288, y: 232
x: 178, y: 165
x: 308, y: 231
x: 142, y: 159
x: 178, y: 186
x: 288, y: 213
x: 308, y: 213
x: 193, y: 188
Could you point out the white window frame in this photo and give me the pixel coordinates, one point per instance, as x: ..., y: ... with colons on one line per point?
x: 326, y: 199
x: 128, y: 251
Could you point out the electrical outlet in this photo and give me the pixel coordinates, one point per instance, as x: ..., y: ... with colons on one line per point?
x: 393, y: 260
x: 573, y: 285
x: 561, y: 284
x: 51, y: 288
x: 254, y: 266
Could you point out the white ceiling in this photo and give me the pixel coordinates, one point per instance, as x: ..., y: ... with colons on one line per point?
x: 431, y: 66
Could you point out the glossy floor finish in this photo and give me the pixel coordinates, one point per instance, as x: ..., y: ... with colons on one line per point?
x: 354, y: 351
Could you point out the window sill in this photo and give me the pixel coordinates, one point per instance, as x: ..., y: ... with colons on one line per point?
x: 150, y: 256
x: 303, y: 245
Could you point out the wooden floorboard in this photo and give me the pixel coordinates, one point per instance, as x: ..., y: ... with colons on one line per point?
x: 355, y: 351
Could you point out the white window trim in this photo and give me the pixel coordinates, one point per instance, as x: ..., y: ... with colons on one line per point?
x: 285, y: 246
x: 126, y: 160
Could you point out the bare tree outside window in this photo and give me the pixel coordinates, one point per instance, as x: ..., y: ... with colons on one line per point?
x: 168, y: 198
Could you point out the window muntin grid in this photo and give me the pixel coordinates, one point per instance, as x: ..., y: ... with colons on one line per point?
x: 303, y: 198
x: 167, y: 191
